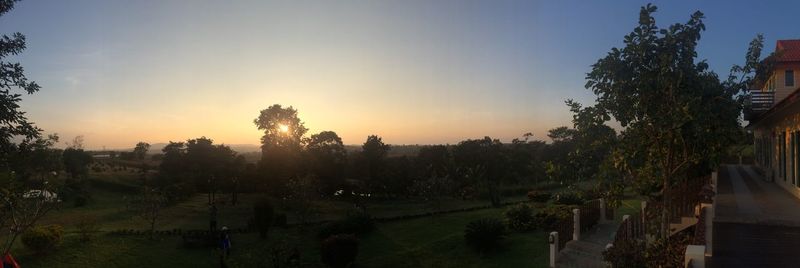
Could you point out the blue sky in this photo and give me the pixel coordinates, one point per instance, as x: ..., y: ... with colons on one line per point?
x: 414, y: 72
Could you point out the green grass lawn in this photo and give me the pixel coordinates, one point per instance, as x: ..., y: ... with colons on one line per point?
x: 422, y: 242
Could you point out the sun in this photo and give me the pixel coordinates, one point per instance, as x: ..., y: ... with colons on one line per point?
x: 283, y: 128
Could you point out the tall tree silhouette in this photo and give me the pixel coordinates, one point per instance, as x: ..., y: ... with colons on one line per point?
x: 281, y: 144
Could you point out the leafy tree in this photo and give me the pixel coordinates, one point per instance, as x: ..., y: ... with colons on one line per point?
x: 327, y: 159
x: 148, y: 205
x: 76, y: 162
x: 434, y: 160
x: 140, y: 150
x: 675, y: 113
x: 373, y: 153
x: 281, y: 144
x: 483, y: 162
x: 199, y: 164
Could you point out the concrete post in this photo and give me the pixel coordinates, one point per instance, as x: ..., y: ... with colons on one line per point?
x: 576, y: 227
x: 608, y: 247
x: 644, y: 213
x: 602, y: 210
x: 709, y: 228
x: 695, y: 254
x: 553, y: 239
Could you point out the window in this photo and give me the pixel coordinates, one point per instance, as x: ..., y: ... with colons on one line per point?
x: 789, y: 78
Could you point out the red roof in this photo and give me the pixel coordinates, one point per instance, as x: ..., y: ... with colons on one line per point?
x: 789, y: 49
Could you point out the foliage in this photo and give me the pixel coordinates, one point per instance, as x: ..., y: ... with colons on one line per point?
x: 15, y: 123
x: 626, y: 253
x: 280, y: 220
x: 484, y: 234
x: 520, y: 218
x: 263, y: 216
x: 550, y: 217
x: 327, y: 159
x: 76, y: 162
x: 482, y: 162
x: 87, y: 226
x: 281, y: 145
x: 140, y: 150
x: 339, y: 251
x: 373, y: 156
x: 433, y: 190
x: 538, y: 196
x: 199, y: 164
x: 676, y: 114
x: 570, y: 197
x: 43, y: 239
x: 147, y: 206
x: 356, y: 222
x: 300, y: 196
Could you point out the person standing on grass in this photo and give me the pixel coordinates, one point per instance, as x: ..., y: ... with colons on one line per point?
x: 212, y: 213
x: 225, y: 242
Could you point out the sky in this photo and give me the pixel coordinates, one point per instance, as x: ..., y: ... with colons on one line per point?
x: 413, y: 72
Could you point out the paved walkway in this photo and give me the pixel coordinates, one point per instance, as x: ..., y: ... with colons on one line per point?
x: 756, y: 223
x: 588, y: 252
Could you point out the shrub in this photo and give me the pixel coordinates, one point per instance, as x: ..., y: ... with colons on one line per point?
x: 262, y: 216
x: 80, y: 201
x: 484, y: 234
x: 354, y: 223
x: 280, y: 220
x: 569, y: 198
x: 339, y: 251
x: 548, y: 218
x: 538, y: 196
x: 626, y: 253
x: 87, y: 226
x: 43, y: 239
x: 520, y: 217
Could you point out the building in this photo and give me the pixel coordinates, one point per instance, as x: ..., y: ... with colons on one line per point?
x: 774, y: 118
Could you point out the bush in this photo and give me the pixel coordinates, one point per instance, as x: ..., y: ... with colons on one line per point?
x: 520, y: 218
x: 280, y: 220
x: 87, y: 226
x: 339, y: 251
x: 538, y: 196
x: 262, y: 216
x: 569, y: 198
x: 626, y: 253
x: 43, y: 239
x: 354, y: 223
x: 484, y: 234
x: 80, y: 201
x: 548, y: 218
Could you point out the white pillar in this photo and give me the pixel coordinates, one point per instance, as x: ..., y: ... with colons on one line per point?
x: 644, y: 212
x: 709, y: 228
x: 696, y: 254
x: 576, y: 228
x: 624, y: 219
x: 553, y: 248
x: 602, y: 210
x: 608, y: 247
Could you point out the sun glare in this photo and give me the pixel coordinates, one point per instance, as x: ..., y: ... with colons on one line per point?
x: 283, y: 128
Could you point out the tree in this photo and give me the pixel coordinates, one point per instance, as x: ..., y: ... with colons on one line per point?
x: 17, y: 212
x: 199, y: 164
x: 281, y: 144
x: 76, y: 162
x: 373, y: 153
x: 327, y: 158
x: 148, y: 205
x: 675, y: 113
x: 140, y: 151
x: 483, y: 162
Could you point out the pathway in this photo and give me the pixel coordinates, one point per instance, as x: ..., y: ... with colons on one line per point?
x: 756, y: 223
x: 588, y: 252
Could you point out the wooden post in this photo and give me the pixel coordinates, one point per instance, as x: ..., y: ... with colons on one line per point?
x: 627, y: 230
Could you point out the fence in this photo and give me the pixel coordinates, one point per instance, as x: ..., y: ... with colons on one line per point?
x: 590, y: 214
